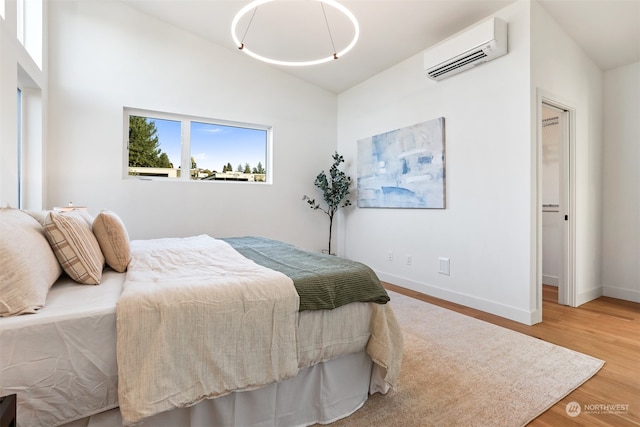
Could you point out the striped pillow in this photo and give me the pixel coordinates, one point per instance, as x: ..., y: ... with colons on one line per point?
x: 75, y: 246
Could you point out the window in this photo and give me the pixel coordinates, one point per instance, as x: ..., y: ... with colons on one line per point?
x: 20, y: 21
x: 29, y: 27
x: 162, y: 145
x: 19, y: 111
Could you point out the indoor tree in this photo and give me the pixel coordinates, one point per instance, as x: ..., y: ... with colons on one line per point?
x: 335, y: 189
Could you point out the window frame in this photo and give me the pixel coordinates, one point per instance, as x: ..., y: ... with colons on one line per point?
x: 185, y: 144
x: 29, y: 28
x: 20, y: 142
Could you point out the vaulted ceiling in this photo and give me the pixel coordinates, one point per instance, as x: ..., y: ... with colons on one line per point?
x: 392, y: 30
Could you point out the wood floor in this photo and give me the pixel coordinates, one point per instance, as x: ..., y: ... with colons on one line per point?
x: 606, y: 328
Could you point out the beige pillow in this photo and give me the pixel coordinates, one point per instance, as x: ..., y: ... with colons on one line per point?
x: 113, y: 239
x: 40, y: 216
x: 75, y: 246
x: 28, y: 266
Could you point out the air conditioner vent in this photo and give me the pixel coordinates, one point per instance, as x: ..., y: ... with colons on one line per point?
x: 458, y: 63
x: 474, y: 46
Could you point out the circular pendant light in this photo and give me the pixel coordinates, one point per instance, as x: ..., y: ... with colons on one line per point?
x: 254, y: 4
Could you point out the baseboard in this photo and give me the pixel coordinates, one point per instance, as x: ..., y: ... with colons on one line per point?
x: 550, y: 280
x: 590, y: 295
x: 488, y: 306
x: 621, y: 293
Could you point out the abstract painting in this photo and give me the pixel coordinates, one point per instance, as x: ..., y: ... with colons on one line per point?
x: 404, y: 168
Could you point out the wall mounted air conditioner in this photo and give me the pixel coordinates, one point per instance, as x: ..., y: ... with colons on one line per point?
x: 469, y: 48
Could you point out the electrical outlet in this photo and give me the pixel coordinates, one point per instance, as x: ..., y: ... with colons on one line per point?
x: 390, y: 256
x: 409, y: 259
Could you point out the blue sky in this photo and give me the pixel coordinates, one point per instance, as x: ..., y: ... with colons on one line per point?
x: 213, y: 146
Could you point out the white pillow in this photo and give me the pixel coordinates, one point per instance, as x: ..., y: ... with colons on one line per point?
x: 40, y: 216
x: 28, y: 266
x: 113, y: 239
x: 75, y: 246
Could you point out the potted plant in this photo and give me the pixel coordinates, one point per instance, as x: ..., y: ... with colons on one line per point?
x: 335, y: 189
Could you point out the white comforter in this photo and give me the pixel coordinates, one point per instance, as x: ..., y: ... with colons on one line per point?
x: 237, y: 319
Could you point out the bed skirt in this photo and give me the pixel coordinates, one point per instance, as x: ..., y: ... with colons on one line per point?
x: 322, y: 394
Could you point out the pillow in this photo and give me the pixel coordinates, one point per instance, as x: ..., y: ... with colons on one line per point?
x: 75, y: 246
x: 40, y: 216
x: 28, y: 266
x: 82, y: 213
x: 113, y: 239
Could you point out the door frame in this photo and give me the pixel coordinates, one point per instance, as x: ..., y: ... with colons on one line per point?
x: 567, y: 292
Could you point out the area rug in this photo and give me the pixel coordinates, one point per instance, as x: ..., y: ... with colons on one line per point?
x: 461, y: 371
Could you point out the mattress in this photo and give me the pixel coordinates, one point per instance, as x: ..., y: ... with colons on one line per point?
x: 62, y: 360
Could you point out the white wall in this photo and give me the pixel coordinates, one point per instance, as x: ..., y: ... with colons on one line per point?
x: 8, y: 114
x: 561, y: 69
x: 18, y: 69
x: 621, y: 171
x: 105, y: 55
x: 485, y: 229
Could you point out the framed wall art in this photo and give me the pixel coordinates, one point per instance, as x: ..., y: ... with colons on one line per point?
x: 404, y: 168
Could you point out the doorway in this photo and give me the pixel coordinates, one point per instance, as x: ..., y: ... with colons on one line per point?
x: 556, y: 184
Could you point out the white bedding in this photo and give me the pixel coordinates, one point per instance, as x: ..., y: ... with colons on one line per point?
x: 62, y: 360
x: 236, y: 319
x: 319, y: 394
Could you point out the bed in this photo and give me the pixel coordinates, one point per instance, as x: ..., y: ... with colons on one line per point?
x: 69, y: 364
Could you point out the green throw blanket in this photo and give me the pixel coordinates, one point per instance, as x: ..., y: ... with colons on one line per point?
x: 323, y: 282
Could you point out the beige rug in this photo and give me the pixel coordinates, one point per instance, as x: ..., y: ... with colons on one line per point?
x: 460, y: 371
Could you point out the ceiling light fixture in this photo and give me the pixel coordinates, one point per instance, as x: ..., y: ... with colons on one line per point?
x: 254, y: 5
